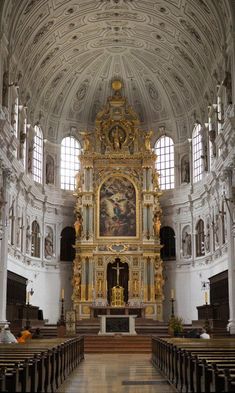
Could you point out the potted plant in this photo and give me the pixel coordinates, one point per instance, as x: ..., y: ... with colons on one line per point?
x: 176, y: 326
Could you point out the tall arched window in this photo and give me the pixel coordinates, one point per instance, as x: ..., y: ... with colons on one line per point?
x: 35, y: 245
x: 70, y: 150
x: 200, y: 239
x: 167, y: 239
x: 37, y: 155
x: 197, y: 153
x: 164, y: 149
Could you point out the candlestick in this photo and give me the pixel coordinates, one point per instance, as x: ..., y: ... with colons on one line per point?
x: 172, y: 307
x: 28, y: 297
x: 62, y: 294
x: 172, y: 294
x: 206, y: 297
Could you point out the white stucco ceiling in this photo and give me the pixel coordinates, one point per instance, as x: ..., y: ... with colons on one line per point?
x: 68, y: 52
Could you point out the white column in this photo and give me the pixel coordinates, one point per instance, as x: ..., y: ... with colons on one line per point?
x: 231, y: 249
x: 4, y: 249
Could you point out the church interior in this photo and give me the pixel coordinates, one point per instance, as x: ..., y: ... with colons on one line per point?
x: 117, y: 158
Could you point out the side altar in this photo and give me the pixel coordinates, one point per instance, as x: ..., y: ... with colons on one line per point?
x: 117, y: 264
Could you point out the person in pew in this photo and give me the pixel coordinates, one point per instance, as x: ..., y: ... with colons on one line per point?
x: 193, y: 333
x: 204, y: 334
x: 20, y: 338
x: 37, y: 334
x: 26, y: 334
x: 6, y: 337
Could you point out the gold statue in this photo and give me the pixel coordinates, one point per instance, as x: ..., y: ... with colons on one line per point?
x: 116, y: 139
x: 157, y: 224
x: 78, y: 182
x: 147, y: 140
x: 78, y: 225
x: 86, y: 140
x: 158, y: 284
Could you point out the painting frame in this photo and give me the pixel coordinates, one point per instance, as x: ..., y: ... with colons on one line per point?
x: 113, y: 234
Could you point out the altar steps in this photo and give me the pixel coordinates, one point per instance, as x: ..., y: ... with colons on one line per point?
x: 143, y: 327
x: 117, y: 344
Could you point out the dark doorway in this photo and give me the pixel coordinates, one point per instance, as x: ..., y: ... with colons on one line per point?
x: 167, y: 239
x: 112, y: 278
x: 67, y: 251
x: 219, y: 296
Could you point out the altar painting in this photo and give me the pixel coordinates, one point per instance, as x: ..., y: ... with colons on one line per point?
x: 117, y: 208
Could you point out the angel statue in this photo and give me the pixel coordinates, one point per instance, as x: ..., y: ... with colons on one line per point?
x: 86, y: 140
x: 147, y: 140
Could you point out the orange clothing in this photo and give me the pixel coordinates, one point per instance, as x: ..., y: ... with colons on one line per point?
x: 21, y: 340
x: 26, y: 335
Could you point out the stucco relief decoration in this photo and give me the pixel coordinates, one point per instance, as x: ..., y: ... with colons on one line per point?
x: 30, y: 6
x: 154, y: 94
x: 81, y: 93
x: 185, y: 56
x: 193, y: 32
x: 43, y: 31
x: 117, y: 215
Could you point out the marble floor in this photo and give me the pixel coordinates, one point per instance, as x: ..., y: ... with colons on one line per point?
x: 105, y: 373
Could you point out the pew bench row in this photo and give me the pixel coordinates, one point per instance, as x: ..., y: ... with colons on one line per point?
x: 195, y: 365
x: 40, y: 365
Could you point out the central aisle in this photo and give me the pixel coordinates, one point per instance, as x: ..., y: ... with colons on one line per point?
x: 105, y: 373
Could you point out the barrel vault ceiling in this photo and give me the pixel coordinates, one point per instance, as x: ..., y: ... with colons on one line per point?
x: 67, y: 52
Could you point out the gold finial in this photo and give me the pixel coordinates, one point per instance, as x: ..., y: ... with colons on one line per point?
x: 116, y: 85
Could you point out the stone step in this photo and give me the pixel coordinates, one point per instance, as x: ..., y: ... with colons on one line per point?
x: 118, y: 344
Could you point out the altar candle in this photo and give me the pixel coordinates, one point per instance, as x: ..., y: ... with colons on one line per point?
x: 28, y: 297
x: 172, y: 294
x: 62, y: 294
x: 206, y: 297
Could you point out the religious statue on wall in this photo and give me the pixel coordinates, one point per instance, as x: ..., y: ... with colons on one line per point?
x: 30, y: 155
x: 216, y: 230
x: 76, y: 280
x: 78, y: 225
x: 50, y: 170
x: 157, y: 223
x: 117, y: 136
x: 48, y: 249
x: 185, y: 170
x: 147, y: 140
x: 187, y: 243
x: 86, y: 140
x: 207, y: 237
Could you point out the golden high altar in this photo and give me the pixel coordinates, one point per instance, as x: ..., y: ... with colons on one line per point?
x: 118, y: 216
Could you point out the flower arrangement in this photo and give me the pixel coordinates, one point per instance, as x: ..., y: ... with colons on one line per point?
x: 176, y: 325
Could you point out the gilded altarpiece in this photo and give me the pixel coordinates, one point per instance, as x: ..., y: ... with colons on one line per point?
x: 118, y: 215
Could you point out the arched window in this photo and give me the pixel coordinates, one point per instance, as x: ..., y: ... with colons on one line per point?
x: 70, y: 150
x: 164, y: 149
x: 35, y: 245
x: 37, y: 155
x: 197, y: 153
x: 167, y: 239
x: 200, y: 239
x: 67, y: 252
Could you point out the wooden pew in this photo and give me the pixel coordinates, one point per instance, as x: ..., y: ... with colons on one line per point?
x: 196, y: 365
x: 39, y: 365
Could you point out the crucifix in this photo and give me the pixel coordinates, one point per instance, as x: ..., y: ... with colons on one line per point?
x: 118, y: 268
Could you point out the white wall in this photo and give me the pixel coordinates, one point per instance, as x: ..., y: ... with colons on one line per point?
x: 47, y: 284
